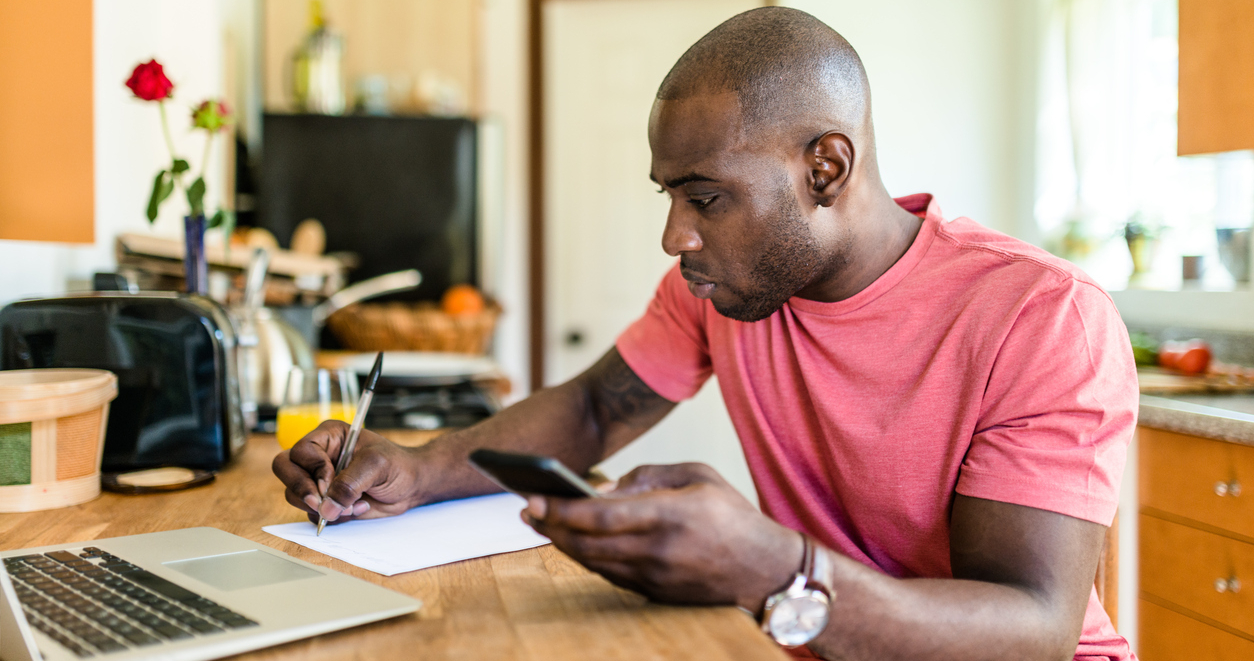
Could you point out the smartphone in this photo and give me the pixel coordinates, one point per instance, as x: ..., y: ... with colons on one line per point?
x: 526, y: 474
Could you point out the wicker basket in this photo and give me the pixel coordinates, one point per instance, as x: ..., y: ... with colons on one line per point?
x: 413, y: 327
x: 52, y: 429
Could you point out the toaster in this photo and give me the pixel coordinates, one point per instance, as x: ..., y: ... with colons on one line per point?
x: 178, y: 400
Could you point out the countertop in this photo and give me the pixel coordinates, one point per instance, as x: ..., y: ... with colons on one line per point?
x: 1225, y: 417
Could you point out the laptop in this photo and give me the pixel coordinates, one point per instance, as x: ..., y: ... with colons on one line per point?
x: 184, y: 595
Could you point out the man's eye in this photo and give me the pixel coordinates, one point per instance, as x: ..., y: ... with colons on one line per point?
x: 702, y: 202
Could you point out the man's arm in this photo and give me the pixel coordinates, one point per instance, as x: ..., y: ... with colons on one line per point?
x: 1021, y: 582
x: 580, y: 422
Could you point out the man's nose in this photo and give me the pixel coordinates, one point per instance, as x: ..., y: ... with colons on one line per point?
x: 680, y: 234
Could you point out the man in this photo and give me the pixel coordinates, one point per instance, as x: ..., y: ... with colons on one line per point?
x: 941, y: 410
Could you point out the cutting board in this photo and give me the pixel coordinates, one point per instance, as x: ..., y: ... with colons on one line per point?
x: 1154, y: 380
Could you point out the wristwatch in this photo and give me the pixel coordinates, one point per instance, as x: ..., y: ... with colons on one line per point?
x: 799, y: 614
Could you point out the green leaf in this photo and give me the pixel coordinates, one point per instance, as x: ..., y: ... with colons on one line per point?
x: 196, y: 196
x: 167, y: 187
x: 161, y: 188
x: 214, y: 220
x: 180, y: 166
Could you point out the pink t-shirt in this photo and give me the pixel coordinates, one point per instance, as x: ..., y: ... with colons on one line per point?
x: 977, y: 364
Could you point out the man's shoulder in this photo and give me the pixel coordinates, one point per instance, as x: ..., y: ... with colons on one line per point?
x: 989, y: 254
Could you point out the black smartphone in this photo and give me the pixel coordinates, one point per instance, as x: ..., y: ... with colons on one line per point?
x: 527, y: 474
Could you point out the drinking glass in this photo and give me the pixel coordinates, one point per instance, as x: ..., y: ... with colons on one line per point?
x: 312, y: 396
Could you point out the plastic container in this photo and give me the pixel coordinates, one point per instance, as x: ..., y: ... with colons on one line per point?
x: 52, y: 429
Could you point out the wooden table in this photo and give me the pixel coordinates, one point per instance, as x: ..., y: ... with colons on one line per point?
x: 536, y: 604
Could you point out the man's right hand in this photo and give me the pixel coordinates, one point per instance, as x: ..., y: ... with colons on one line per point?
x: 381, y: 480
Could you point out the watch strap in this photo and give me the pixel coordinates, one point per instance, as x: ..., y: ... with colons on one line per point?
x: 816, y: 567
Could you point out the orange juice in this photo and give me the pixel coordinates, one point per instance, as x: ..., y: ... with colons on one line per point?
x: 297, y: 420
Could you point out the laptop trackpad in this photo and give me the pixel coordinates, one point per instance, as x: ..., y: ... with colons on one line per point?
x: 236, y: 571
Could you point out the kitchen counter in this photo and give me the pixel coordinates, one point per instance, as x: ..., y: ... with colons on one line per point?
x: 1225, y: 417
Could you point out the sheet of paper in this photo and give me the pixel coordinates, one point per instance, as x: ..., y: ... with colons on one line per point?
x: 422, y: 537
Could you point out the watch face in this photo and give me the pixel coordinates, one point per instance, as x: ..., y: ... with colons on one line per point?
x: 798, y: 620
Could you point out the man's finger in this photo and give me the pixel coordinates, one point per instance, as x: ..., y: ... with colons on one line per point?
x: 647, y: 478
x: 606, y: 516
x: 347, y: 488
x: 309, y: 503
x: 313, y: 459
x: 298, y: 481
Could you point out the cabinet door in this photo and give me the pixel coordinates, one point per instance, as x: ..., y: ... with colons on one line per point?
x: 1199, y: 479
x: 1169, y: 636
x: 1186, y: 566
x: 1216, y: 65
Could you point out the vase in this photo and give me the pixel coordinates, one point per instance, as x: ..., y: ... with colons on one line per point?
x: 195, y: 268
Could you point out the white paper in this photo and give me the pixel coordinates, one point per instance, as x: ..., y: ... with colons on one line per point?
x: 422, y: 537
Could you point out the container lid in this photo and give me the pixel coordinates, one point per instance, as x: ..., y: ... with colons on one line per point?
x: 42, y: 383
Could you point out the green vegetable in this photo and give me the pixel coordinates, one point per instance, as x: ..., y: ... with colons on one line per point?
x: 1144, y: 349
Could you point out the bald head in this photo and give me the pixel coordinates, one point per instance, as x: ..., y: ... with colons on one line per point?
x: 789, y: 71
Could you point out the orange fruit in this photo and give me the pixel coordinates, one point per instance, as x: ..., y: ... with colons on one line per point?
x: 462, y: 300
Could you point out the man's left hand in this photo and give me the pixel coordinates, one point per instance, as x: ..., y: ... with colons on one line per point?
x: 678, y: 534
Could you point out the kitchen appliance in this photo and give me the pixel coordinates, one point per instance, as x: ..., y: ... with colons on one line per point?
x: 428, y: 390
x: 273, y: 341
x: 174, y: 355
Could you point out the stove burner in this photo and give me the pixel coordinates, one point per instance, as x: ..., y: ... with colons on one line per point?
x: 430, y: 406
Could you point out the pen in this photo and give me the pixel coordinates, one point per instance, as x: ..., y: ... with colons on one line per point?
x: 359, y: 420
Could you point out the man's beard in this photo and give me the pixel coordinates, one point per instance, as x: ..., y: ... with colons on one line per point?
x: 790, y: 261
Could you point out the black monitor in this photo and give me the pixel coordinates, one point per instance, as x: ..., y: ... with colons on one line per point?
x: 400, y: 192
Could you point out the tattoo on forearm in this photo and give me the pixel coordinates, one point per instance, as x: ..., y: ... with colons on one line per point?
x: 618, y: 395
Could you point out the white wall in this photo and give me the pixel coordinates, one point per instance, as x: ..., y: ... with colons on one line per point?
x: 953, y: 98
x: 185, y: 36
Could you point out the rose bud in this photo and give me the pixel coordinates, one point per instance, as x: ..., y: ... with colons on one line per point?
x: 148, y: 82
x: 211, y: 115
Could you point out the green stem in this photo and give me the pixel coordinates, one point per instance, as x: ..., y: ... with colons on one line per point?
x: 165, y: 128
x: 169, y: 144
x: 204, y: 162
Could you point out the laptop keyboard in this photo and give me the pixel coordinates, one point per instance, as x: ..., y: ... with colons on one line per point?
x: 93, y: 603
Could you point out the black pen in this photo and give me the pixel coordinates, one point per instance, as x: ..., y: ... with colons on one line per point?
x: 359, y: 420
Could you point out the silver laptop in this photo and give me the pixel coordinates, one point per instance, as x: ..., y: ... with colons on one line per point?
x: 185, y: 595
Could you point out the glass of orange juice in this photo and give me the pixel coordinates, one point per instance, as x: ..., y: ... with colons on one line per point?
x: 312, y: 396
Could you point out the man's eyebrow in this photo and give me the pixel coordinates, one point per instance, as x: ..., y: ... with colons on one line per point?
x: 683, y: 179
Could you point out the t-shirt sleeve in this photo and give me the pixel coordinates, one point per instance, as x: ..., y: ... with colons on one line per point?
x: 1059, y: 410
x: 668, y: 347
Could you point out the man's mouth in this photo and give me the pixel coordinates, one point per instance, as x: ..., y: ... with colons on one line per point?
x: 697, y: 285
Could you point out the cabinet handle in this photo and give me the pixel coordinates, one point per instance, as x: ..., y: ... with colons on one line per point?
x: 1232, y: 585
x: 1232, y: 488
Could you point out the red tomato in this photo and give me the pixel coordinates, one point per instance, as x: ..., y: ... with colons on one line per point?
x: 1191, y: 357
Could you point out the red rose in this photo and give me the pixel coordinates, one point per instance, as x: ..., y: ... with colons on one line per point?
x: 149, y: 83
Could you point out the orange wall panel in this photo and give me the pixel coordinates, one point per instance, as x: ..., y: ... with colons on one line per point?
x: 46, y: 154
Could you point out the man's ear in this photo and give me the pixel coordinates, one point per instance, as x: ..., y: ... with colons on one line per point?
x: 830, y: 160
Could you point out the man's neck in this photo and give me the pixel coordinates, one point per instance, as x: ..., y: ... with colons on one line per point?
x: 881, y: 232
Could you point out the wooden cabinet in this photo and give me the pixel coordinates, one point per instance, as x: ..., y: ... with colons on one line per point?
x: 1216, y: 65
x: 1169, y: 635
x: 1196, y: 548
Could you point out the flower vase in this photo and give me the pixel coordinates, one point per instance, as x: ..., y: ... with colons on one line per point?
x: 195, y: 267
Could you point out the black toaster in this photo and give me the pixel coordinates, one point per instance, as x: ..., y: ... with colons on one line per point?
x: 178, y: 400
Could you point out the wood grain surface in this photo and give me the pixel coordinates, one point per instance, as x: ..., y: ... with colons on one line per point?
x: 534, y: 605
